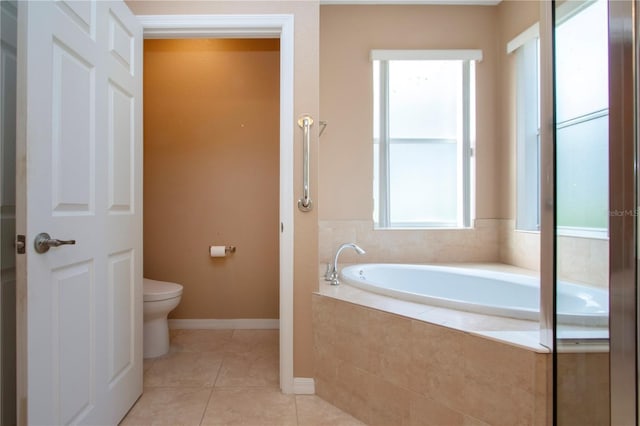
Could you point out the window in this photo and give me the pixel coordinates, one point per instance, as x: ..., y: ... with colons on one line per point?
x: 423, y: 128
x: 582, y: 120
x: 528, y: 136
x: 581, y: 63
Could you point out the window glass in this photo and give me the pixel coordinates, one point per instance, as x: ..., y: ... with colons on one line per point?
x: 421, y: 142
x: 582, y: 63
x: 582, y: 137
x: 582, y: 124
x: 425, y: 99
x: 582, y: 174
x: 420, y: 174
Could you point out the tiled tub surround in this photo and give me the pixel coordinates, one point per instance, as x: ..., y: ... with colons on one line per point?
x: 387, y: 361
x: 478, y: 244
x: 578, y: 375
x: 581, y: 260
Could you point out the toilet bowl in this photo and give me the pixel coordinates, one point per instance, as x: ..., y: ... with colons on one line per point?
x: 160, y: 298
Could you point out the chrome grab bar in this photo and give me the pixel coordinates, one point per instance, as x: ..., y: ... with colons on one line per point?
x: 305, y: 122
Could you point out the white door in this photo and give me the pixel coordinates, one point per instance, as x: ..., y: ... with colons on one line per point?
x: 79, y: 178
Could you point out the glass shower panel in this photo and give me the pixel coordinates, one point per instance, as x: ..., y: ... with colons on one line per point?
x: 582, y: 213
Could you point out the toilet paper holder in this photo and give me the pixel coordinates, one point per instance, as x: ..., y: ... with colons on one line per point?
x: 216, y: 251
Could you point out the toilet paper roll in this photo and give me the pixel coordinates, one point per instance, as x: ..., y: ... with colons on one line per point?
x: 217, y: 251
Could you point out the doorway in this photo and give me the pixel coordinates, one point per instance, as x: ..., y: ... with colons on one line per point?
x: 257, y: 26
x: 211, y: 154
x: 280, y: 26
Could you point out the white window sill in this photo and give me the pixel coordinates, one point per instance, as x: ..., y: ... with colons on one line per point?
x: 591, y: 233
x: 594, y: 234
x: 418, y: 228
x: 528, y: 231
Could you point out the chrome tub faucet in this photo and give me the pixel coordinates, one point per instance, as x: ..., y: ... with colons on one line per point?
x: 332, y: 271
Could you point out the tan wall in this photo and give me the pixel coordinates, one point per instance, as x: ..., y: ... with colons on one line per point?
x: 347, y: 35
x: 516, y: 248
x: 306, y: 100
x: 211, y: 173
x: 514, y: 16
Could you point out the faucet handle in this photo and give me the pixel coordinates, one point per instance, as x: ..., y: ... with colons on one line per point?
x: 329, y: 274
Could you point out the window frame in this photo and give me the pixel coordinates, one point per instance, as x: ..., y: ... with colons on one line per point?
x: 464, y: 155
x: 528, y: 136
x: 528, y: 204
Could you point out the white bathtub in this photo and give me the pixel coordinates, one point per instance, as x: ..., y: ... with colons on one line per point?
x: 479, y: 291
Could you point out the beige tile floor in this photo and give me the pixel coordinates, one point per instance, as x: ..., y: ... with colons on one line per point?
x: 225, y: 377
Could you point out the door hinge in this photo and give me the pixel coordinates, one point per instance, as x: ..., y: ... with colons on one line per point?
x: 20, y: 244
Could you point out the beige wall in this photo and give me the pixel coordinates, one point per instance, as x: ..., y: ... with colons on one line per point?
x: 516, y: 248
x: 347, y: 35
x: 306, y: 100
x: 211, y: 173
x: 514, y: 16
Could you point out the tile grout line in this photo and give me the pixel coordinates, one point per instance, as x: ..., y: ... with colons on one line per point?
x: 295, y: 400
x: 215, y: 380
x: 227, y: 355
x: 206, y: 406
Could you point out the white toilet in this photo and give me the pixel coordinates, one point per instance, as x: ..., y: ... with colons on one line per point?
x: 160, y: 298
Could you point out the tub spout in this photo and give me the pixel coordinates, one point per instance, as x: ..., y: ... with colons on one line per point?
x: 334, y: 272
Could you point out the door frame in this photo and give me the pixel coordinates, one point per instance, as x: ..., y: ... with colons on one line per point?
x: 257, y: 26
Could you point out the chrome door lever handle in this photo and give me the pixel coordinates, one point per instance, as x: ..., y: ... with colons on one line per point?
x: 43, y: 242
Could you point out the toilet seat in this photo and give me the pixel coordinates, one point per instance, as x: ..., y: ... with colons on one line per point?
x: 154, y: 291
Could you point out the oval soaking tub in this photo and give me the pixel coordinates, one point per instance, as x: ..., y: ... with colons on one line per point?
x: 480, y: 291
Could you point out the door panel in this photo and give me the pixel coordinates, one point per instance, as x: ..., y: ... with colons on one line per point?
x: 82, y: 158
x: 72, y: 132
x: 73, y: 320
x: 121, y: 144
x: 121, y: 43
x: 80, y: 12
x: 121, y: 311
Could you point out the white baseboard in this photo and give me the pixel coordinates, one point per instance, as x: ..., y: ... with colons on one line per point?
x: 304, y: 386
x: 224, y: 324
